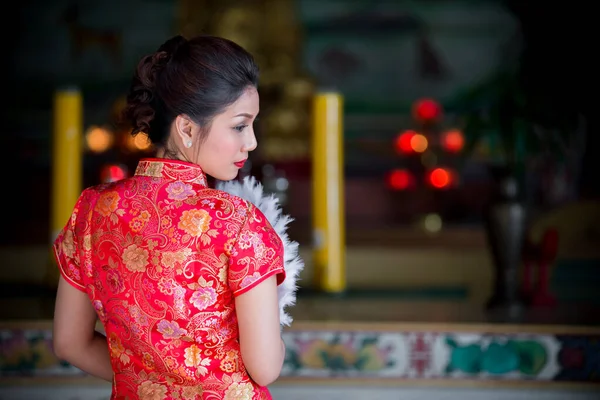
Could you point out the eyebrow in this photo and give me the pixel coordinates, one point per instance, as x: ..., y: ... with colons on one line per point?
x: 244, y: 115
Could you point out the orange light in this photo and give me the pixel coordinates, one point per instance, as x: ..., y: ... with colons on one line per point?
x: 98, y: 139
x: 400, y: 179
x: 403, y: 141
x: 426, y: 110
x: 453, y: 141
x: 139, y: 142
x: 440, y: 178
x: 418, y: 143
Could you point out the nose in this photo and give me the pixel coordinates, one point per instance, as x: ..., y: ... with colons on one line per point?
x: 250, y: 142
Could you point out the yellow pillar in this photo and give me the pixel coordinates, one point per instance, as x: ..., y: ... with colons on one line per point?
x: 67, y: 154
x: 328, y: 193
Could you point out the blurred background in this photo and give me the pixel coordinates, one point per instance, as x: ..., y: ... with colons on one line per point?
x: 468, y: 228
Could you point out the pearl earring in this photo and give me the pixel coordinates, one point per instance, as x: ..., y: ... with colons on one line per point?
x: 188, y: 143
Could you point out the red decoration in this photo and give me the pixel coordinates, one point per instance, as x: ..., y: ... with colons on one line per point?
x: 540, y: 256
x: 112, y: 173
x: 400, y: 179
x: 453, y: 141
x: 420, y: 353
x: 427, y: 110
x: 403, y: 142
x: 440, y: 178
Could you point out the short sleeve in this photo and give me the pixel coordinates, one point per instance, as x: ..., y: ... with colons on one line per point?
x: 256, y: 255
x: 67, y: 251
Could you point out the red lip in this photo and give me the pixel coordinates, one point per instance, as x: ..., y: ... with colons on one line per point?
x: 240, y: 164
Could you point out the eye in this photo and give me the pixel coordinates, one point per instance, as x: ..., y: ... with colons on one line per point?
x: 240, y: 128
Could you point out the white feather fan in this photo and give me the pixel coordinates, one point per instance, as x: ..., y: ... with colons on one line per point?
x: 252, y: 190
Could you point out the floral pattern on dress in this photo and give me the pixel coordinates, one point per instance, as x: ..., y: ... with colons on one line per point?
x: 162, y: 258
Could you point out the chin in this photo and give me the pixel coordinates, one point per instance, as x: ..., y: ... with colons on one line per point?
x: 227, y: 177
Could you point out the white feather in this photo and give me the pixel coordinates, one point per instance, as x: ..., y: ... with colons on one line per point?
x: 252, y: 190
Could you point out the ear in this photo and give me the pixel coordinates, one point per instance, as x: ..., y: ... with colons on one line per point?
x: 186, y: 128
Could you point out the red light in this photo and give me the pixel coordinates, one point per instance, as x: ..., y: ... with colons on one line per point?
x: 403, y: 142
x: 453, y: 141
x: 440, y: 178
x: 427, y: 110
x: 112, y: 173
x: 400, y: 179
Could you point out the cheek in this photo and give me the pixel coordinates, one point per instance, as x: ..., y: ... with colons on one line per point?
x: 229, y: 144
x: 223, y: 144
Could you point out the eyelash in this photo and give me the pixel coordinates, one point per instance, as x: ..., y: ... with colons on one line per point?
x: 240, y: 128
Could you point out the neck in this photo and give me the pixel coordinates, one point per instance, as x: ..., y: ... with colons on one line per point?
x: 171, y: 152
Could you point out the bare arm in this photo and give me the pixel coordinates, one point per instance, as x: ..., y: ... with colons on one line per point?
x: 261, y: 345
x: 75, y: 338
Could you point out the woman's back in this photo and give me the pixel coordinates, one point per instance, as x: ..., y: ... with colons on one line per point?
x: 162, y: 258
x: 184, y: 278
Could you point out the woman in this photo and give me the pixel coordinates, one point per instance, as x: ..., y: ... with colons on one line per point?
x: 183, y: 277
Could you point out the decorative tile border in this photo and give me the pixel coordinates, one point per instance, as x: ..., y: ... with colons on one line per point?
x: 384, y: 354
x: 442, y: 355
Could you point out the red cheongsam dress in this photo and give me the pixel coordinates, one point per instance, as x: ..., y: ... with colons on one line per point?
x: 162, y: 258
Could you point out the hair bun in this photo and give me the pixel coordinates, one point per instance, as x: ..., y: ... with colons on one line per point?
x: 172, y: 45
x: 141, y: 109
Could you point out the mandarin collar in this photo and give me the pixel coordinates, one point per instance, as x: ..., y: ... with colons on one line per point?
x: 174, y: 170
